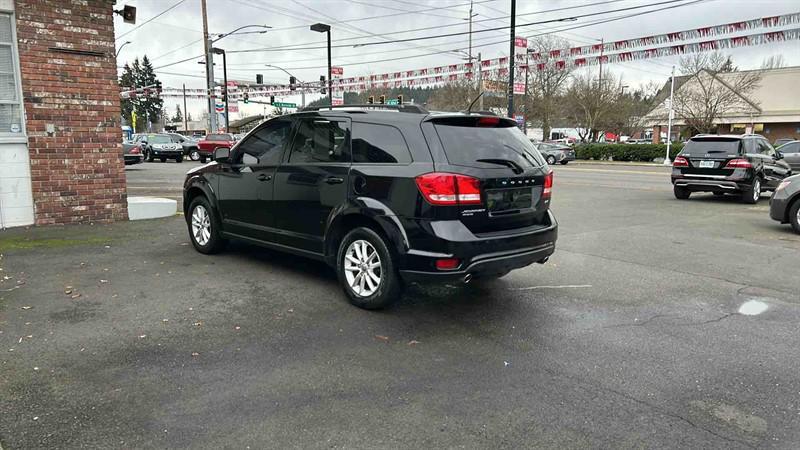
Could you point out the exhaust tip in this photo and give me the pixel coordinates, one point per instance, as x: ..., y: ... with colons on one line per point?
x: 542, y: 261
x: 467, y: 278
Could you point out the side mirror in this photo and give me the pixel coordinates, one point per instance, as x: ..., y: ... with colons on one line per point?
x: 778, y: 155
x: 222, y: 154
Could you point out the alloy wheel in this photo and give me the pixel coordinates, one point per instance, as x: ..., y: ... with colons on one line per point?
x: 756, y: 190
x: 194, y: 155
x: 362, y: 268
x: 201, y: 225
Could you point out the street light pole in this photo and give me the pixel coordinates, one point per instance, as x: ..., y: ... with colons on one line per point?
x: 212, y: 114
x: 324, y: 28
x: 511, y: 57
x: 120, y: 47
x: 671, y: 114
x: 220, y: 51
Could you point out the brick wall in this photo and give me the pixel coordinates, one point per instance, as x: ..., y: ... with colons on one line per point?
x: 77, y: 172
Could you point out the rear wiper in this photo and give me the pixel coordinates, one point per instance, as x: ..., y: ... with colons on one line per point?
x: 503, y: 162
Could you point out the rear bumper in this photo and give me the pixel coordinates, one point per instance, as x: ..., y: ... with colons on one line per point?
x: 134, y: 159
x: 480, y: 256
x: 697, y: 184
x: 778, y: 205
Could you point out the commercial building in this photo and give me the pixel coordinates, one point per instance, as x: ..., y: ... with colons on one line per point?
x: 60, y: 152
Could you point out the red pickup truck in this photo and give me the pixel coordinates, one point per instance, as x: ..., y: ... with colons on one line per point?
x: 207, y: 145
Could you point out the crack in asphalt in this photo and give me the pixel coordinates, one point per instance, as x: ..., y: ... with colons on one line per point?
x: 689, y: 324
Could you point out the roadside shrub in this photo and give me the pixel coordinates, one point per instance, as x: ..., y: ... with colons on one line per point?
x: 626, y: 152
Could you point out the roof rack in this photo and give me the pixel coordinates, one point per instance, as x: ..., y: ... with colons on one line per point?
x: 410, y: 108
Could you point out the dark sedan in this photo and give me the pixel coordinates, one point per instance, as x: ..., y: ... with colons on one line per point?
x: 791, y: 154
x: 784, y: 206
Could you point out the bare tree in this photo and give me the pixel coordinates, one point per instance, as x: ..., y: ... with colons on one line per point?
x: 547, y: 82
x: 591, y: 103
x: 712, y: 89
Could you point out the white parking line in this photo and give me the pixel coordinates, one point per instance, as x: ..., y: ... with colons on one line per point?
x: 563, y: 286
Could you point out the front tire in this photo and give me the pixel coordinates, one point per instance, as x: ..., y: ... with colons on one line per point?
x: 753, y: 194
x: 149, y: 156
x: 179, y: 159
x: 194, y: 155
x: 204, y: 228
x: 794, y: 216
x: 564, y: 163
x: 681, y: 193
x: 366, y: 270
x: 163, y: 159
x: 551, y: 160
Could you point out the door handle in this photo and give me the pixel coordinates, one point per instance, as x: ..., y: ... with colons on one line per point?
x: 334, y: 180
x: 263, y: 177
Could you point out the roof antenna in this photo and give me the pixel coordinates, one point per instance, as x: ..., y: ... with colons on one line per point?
x: 469, y: 109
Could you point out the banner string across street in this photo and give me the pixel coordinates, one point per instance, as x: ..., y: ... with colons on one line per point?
x: 607, y: 53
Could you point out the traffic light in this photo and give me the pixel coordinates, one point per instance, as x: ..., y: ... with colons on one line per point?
x: 371, y: 100
x: 400, y: 99
x: 259, y: 78
x: 224, y: 92
x: 383, y: 99
x: 246, y: 97
x: 271, y: 99
x: 292, y: 83
x: 322, y: 91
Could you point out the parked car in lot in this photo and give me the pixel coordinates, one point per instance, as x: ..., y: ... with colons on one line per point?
x: 791, y: 154
x: 781, y: 141
x: 162, y: 147
x: 784, y: 205
x: 744, y: 165
x: 211, y: 142
x: 554, y: 153
x: 132, y: 154
x: 385, y: 195
x: 188, y: 145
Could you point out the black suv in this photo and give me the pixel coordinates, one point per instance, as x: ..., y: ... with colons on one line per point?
x: 385, y: 195
x: 744, y: 165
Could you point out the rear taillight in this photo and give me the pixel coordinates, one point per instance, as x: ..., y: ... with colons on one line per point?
x: 738, y: 163
x: 447, y: 263
x: 135, y: 151
x: 548, y: 185
x: 449, y: 189
x: 680, y: 161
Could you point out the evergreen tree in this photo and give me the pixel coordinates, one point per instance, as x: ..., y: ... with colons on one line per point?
x: 178, y: 114
x: 139, y: 75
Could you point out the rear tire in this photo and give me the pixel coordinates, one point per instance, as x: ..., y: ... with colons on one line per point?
x: 564, y: 163
x: 681, y: 193
x: 366, y: 285
x: 204, y: 228
x: 753, y: 194
x: 202, y: 159
x: 551, y: 159
x: 794, y: 216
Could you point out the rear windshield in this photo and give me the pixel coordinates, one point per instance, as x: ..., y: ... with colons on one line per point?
x: 701, y: 147
x: 219, y: 137
x: 475, y: 142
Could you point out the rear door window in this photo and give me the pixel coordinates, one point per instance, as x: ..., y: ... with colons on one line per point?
x: 320, y: 140
x: 379, y: 144
x: 484, y: 142
x: 794, y: 147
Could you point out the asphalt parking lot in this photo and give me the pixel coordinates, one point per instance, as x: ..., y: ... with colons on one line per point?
x: 658, y: 323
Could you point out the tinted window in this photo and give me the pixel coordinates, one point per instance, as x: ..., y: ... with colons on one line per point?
x: 320, y: 141
x: 379, y: 144
x: 265, y: 146
x: 764, y: 148
x: 219, y: 137
x: 793, y: 147
x: 477, y: 141
x: 702, y: 146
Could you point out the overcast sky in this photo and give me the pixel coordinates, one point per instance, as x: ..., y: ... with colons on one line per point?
x: 177, y: 34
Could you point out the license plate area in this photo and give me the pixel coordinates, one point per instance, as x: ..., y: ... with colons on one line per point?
x: 509, y: 200
x: 708, y: 164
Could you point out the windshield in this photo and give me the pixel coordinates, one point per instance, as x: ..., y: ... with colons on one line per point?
x: 468, y: 141
x: 219, y: 137
x: 158, y: 139
x: 701, y: 147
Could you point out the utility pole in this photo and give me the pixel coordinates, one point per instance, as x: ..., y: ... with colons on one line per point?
x: 480, y: 82
x: 671, y: 114
x: 185, y: 112
x: 525, y: 96
x: 511, y: 57
x: 470, y: 30
x: 212, y: 114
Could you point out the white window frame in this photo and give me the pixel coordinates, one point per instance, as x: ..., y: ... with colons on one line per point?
x: 7, y: 136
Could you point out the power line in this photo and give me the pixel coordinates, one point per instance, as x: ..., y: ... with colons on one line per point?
x: 149, y: 20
